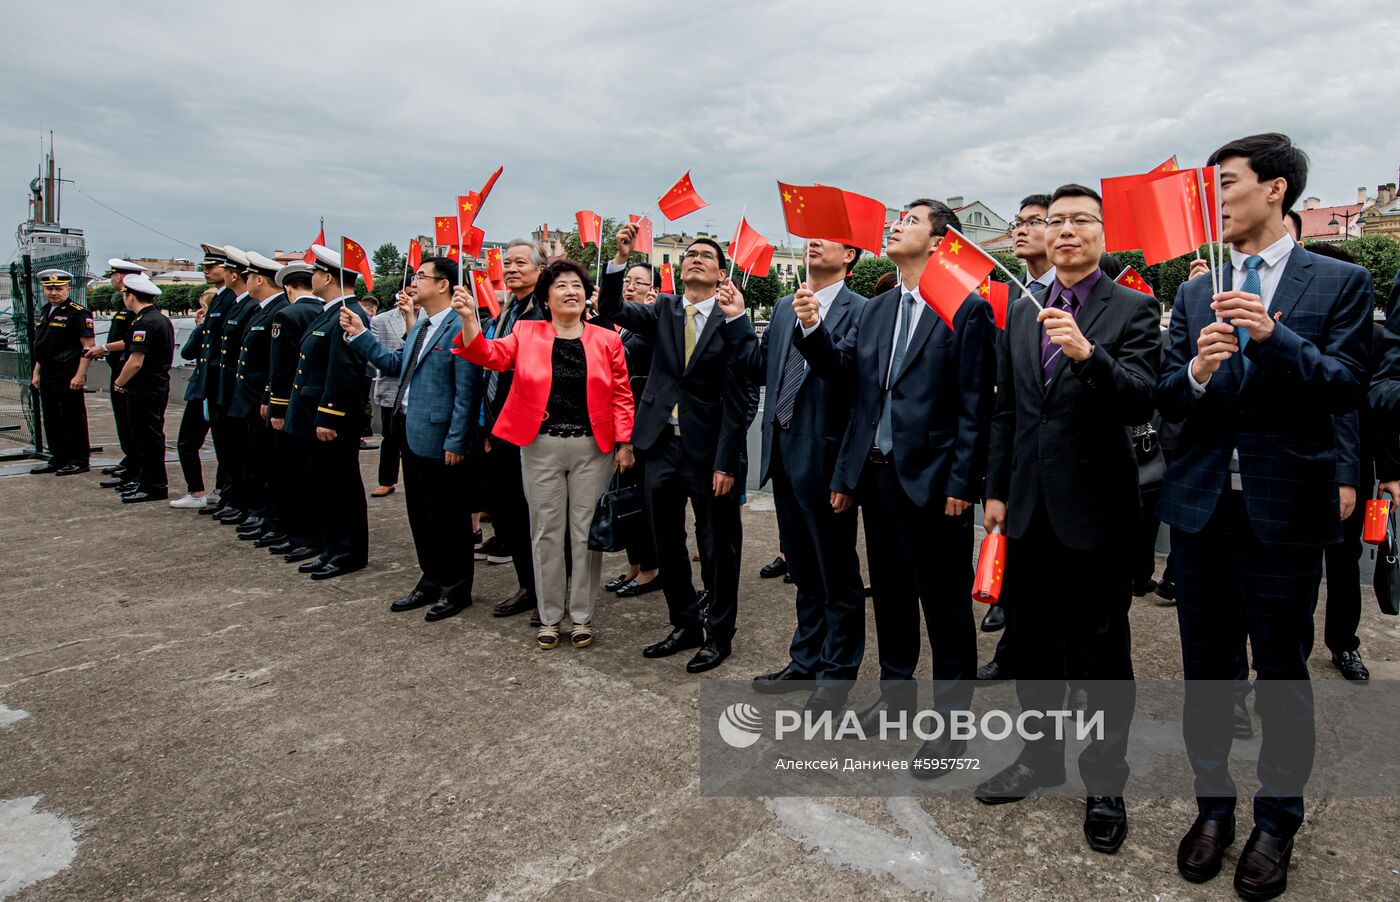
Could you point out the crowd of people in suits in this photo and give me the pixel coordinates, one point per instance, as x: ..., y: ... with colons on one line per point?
x: 1246, y: 427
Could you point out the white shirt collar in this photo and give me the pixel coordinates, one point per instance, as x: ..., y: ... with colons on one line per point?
x: 825, y: 296
x: 262, y: 305
x: 1273, y: 255
x: 706, y: 307
x: 326, y: 305
x: 1046, y: 278
x: 241, y: 296
x: 436, y: 319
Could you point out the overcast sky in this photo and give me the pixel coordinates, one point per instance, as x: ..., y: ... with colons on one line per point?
x: 243, y: 124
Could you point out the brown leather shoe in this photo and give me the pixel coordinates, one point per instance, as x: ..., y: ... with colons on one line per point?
x: 382, y: 491
x: 1198, y: 856
x: 1262, y: 871
x: 518, y: 603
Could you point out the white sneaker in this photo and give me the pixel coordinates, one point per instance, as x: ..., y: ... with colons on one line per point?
x: 189, y: 502
x: 212, y: 497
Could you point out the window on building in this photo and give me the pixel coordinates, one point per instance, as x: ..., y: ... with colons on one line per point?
x: 665, y: 258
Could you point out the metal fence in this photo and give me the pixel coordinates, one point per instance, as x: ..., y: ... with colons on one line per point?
x: 19, y: 419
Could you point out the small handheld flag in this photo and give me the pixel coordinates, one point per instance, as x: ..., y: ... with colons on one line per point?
x: 352, y: 256
x: 681, y: 200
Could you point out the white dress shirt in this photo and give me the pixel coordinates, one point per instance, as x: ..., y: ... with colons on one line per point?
x: 433, y: 322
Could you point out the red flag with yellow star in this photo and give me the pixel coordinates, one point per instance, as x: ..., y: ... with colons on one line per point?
x: 352, y: 256
x: 495, y: 271
x: 1119, y: 227
x: 1167, y: 216
x: 747, y: 247
x: 485, y: 295
x: 955, y: 270
x: 415, y: 255
x: 681, y: 199
x: 761, y: 263
x: 867, y: 218
x: 817, y: 211
x: 998, y: 294
x: 445, y: 230
x: 590, y: 227
x: 1131, y: 278
x: 643, y: 243
x: 321, y: 240
x: 468, y: 205
x: 668, y: 279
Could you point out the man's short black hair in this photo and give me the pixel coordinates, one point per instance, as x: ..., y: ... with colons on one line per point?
x: 854, y: 260
x: 446, y: 268
x: 941, y: 217
x: 1073, y: 190
x: 1297, y: 221
x: 647, y: 266
x: 1327, y: 249
x: 1271, y: 156
x: 710, y: 242
x: 298, y: 280
x: 1035, y: 200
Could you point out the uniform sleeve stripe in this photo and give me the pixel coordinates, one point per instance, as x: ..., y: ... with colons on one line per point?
x: 339, y: 413
x: 281, y: 400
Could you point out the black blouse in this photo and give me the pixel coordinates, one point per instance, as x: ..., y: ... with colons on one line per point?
x: 568, y: 393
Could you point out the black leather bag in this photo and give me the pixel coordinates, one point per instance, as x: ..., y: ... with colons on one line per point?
x: 1387, y: 578
x: 1147, y: 446
x: 615, y: 506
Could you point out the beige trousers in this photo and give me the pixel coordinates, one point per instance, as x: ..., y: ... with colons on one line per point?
x: 564, y: 477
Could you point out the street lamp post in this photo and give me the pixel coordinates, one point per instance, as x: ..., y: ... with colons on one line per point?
x: 1346, y: 218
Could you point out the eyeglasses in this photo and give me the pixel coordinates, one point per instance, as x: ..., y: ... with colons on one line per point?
x: 426, y: 276
x: 1079, y: 221
x: 699, y: 255
x: 637, y: 283
x: 1035, y: 222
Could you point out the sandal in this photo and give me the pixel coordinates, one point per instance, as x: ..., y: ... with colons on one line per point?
x: 582, y: 636
x: 548, y: 637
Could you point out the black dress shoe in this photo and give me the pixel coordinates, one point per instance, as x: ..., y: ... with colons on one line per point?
x: 144, y: 495
x: 777, y: 568
x: 313, y: 564
x: 787, y: 578
x: 301, y: 554
x: 935, y: 749
x: 994, y: 619
x: 114, y: 470
x: 284, y: 547
x: 1351, y: 666
x: 71, y: 470
x: 1166, y: 589
x: 270, y: 540
x: 789, y: 679
x: 1143, y: 587
x: 1201, y: 849
x: 710, y: 656
x: 1241, y: 726
x: 1262, y: 871
x: 44, y: 468
x: 114, y: 482
x: 518, y: 603
x: 993, y: 672
x: 1014, y: 782
x: 1105, y: 823
x: 252, y: 524
x: 679, y: 640
x: 617, y: 582
x: 633, y: 588
x: 231, y: 516
x: 331, y: 571
x: 128, y: 486
x: 870, y: 717
x: 828, y: 696
x: 250, y: 536
x: 414, y: 599
x: 446, y: 607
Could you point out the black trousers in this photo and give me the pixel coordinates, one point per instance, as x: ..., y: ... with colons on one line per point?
x: 1230, y: 586
x: 1343, y: 562
x: 641, y: 547
x: 259, y: 461
x: 1078, y: 616
x: 291, y: 485
x: 1145, y: 558
x: 119, y: 412
x: 510, y: 512
x: 339, y: 491
x: 231, y: 446
x: 65, y: 422
x: 439, y: 502
x: 918, y: 556
x: 219, y: 432
x: 145, y: 413
x: 389, y: 447
x: 820, y: 545
x: 194, y: 429
x: 671, y: 481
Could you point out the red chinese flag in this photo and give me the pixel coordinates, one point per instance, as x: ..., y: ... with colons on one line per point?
x: 321, y: 240
x: 668, y: 279
x: 680, y: 200
x: 867, y: 218
x: 590, y: 227
x: 468, y: 205
x: 1208, y: 177
x: 998, y: 294
x: 473, y: 241
x: 352, y: 256
x: 816, y: 211
x: 1131, y: 278
x: 1167, y: 216
x: 485, y: 191
x: 453, y: 253
x: 1119, y: 228
x: 445, y: 230
x: 643, y: 243
x: 761, y: 263
x: 415, y: 255
x: 746, y: 245
x: 991, y: 568
x: 954, y: 271
x: 494, y: 270
x: 481, y: 286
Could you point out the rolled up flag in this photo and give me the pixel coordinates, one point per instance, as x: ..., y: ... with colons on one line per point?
x: 991, y: 566
x: 1377, y: 521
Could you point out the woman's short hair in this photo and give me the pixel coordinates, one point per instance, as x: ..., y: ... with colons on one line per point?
x: 556, y: 268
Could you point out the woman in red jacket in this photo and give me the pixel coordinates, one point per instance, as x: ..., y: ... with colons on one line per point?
x: 570, y: 411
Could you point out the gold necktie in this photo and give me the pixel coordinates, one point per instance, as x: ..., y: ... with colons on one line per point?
x: 691, y: 311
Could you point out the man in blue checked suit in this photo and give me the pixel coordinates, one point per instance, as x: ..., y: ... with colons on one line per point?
x: 433, y: 416
x: 1255, y: 374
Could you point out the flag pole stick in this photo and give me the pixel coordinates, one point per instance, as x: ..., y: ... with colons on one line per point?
x: 404, y: 286
x: 1210, y: 246
x: 1019, y: 284
x: 1220, y: 224
x: 459, y: 247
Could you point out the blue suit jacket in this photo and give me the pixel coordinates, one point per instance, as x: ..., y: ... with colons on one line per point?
x: 1279, y: 412
x: 441, y: 392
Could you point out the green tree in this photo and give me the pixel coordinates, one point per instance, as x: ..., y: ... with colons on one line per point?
x: 1011, y: 262
x: 387, y: 263
x: 867, y: 272
x: 761, y: 294
x: 1380, y: 255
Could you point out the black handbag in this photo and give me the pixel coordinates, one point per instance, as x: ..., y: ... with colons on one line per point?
x: 614, y: 507
x: 1147, y: 447
x: 1387, y: 578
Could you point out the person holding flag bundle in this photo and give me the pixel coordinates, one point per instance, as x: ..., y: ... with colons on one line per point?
x: 913, y: 457
x: 1256, y: 372
x: 1073, y: 379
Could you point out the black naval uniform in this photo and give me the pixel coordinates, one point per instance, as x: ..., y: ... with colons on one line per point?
x: 331, y: 391
x: 58, y: 348
x: 249, y: 392
x: 197, y: 421
x: 231, y: 440
x: 288, y: 481
x: 119, y: 330
x: 152, y: 335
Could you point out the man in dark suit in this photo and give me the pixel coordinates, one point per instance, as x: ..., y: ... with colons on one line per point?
x: 433, y: 412
x: 804, y: 420
x: 194, y: 422
x: 231, y: 437
x: 216, y: 322
x: 246, y: 405
x: 1073, y: 379
x: 1256, y: 375
x: 329, y: 403
x: 690, y: 427
x: 914, y: 456
x: 298, y: 514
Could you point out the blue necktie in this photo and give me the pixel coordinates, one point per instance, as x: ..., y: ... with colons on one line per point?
x: 884, y: 433
x: 1251, y: 285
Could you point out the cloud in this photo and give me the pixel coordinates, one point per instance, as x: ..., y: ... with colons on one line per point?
x: 245, y: 127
